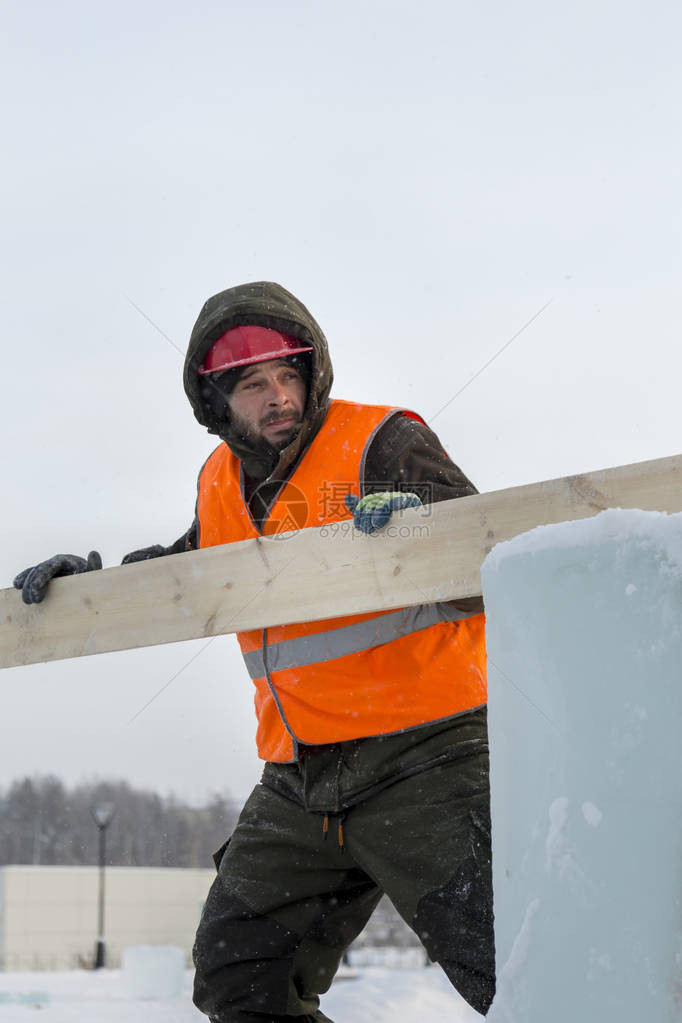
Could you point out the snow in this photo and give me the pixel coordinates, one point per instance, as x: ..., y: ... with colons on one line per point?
x: 651, y: 530
x: 152, y: 971
x: 584, y: 637
x: 372, y: 995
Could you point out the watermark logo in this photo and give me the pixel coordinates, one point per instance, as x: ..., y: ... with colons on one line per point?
x: 331, y: 499
x: 292, y: 511
x: 392, y: 531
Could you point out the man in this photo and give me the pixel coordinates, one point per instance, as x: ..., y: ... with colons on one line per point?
x: 372, y: 726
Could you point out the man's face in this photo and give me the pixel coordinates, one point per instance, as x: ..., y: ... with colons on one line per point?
x: 267, y: 402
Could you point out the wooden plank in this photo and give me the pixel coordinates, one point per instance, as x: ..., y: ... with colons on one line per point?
x: 426, y: 555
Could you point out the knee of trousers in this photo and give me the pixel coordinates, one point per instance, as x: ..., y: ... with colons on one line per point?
x: 243, y: 960
x: 456, y: 924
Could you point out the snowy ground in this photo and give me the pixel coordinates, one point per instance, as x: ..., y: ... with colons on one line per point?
x: 370, y: 995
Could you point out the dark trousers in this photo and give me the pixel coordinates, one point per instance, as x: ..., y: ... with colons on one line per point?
x: 288, y: 901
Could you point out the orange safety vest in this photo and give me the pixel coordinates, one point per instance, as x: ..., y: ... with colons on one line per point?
x: 355, y: 676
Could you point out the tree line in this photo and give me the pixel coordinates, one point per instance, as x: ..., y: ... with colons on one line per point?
x: 42, y: 821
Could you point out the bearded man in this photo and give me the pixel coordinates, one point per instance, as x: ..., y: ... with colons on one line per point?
x: 372, y: 726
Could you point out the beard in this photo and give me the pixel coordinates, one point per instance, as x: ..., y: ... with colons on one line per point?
x: 254, y: 435
x: 285, y: 439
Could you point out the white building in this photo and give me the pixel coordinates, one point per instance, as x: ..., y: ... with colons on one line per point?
x: 48, y: 915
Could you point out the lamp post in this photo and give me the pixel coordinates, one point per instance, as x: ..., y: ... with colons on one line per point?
x: 103, y: 813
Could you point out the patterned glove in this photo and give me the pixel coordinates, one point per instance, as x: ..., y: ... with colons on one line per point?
x: 33, y: 581
x: 371, y: 513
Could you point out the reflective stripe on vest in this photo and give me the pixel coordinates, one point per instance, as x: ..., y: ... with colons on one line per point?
x: 349, y: 639
x: 357, y: 675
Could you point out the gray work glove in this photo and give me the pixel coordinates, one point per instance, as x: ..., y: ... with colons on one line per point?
x: 371, y: 513
x: 33, y: 581
x: 145, y: 554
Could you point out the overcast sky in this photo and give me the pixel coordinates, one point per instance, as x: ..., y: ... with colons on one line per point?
x: 426, y: 177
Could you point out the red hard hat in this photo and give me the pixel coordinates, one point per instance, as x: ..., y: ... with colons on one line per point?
x: 249, y: 343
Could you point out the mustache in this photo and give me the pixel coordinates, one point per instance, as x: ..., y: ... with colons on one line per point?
x: 273, y: 417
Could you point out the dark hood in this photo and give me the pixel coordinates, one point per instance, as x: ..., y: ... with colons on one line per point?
x: 269, y: 305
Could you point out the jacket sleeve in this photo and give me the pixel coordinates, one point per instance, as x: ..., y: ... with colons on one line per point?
x: 187, y: 542
x: 405, y: 455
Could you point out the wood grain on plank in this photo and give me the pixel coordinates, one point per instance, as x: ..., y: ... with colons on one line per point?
x: 426, y: 555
